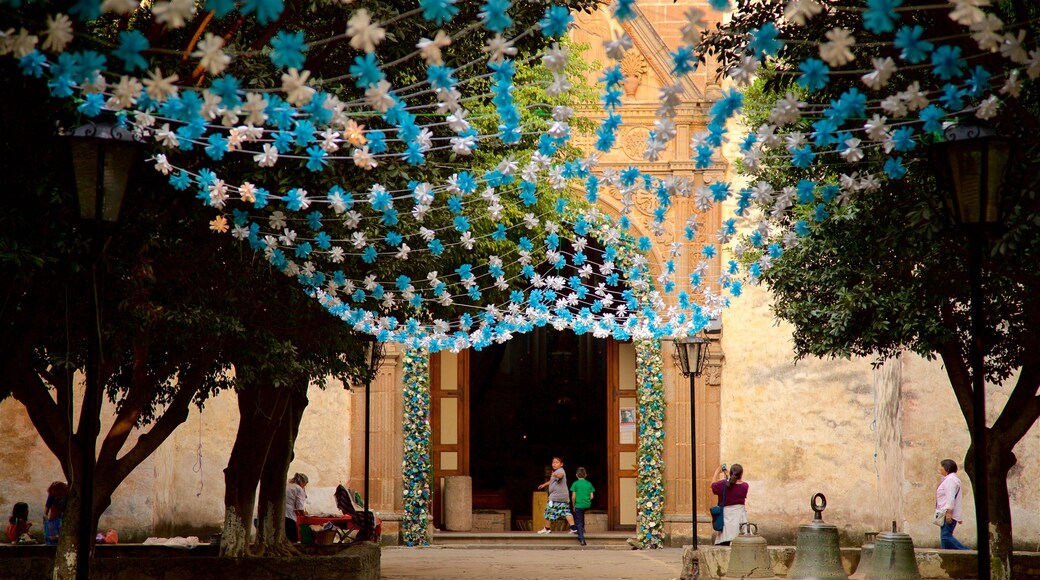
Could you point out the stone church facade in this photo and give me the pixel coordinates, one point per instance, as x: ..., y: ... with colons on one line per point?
x: 869, y: 438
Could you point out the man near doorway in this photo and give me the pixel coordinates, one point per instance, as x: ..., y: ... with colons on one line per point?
x: 559, y: 504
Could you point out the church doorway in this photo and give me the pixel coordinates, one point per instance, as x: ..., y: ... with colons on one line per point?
x: 541, y: 394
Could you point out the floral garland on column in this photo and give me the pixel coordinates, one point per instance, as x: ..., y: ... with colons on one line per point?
x: 416, y: 469
x: 650, y: 482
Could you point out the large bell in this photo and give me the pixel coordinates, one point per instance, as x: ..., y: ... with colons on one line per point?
x: 749, y: 555
x: 817, y: 555
x: 893, y: 558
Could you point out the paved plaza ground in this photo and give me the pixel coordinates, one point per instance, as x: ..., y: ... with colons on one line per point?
x: 514, y: 563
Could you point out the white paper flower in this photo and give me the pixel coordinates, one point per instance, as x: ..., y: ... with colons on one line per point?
x: 799, y: 11
x: 212, y: 57
x: 1013, y: 84
x: 498, y: 49
x: 120, y: 6
x: 745, y: 72
x: 988, y: 108
x: 430, y: 50
x: 294, y: 83
x: 364, y: 159
x: 691, y: 31
x: 852, y: 152
x: 167, y: 138
x: 967, y: 12
x: 883, y: 70
x: 268, y: 158
x: 58, y: 34
x: 915, y: 99
x: 988, y: 33
x: 894, y: 105
x: 876, y: 128
x: 837, y: 51
x: 1012, y: 49
x: 174, y: 13
x: 158, y: 87
x: 254, y: 109
x: 125, y: 93
x: 247, y: 192
x: 616, y: 48
x: 1033, y: 71
x: 162, y: 165
x: 555, y: 58
x: 364, y: 34
x: 19, y: 44
x: 786, y: 111
x: 378, y: 96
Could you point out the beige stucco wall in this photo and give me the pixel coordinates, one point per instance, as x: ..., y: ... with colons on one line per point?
x: 173, y: 492
x: 816, y: 425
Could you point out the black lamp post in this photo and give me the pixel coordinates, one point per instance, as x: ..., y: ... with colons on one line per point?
x: 373, y: 359
x: 690, y: 354
x: 971, y: 162
x: 102, y: 156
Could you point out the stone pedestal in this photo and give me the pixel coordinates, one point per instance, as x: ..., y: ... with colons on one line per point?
x: 458, y: 503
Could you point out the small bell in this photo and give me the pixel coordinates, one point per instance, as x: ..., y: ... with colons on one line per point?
x: 749, y: 555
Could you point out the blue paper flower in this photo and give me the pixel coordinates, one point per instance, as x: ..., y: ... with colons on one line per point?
x: 903, y: 139
x: 493, y: 14
x: 267, y: 11
x: 880, y: 15
x: 438, y: 11
x: 894, y: 168
x: 131, y: 44
x: 228, y: 88
x: 720, y: 5
x: 556, y: 21
x: 217, y: 146
x: 32, y: 64
x: 815, y: 75
x: 802, y: 157
x: 316, y: 158
x: 764, y: 41
x: 932, y: 117
x: 220, y: 8
x: 952, y: 97
x: 947, y: 62
x: 86, y: 9
x: 366, y: 71
x: 913, y: 48
x: 287, y: 50
x: 93, y: 104
x: 684, y: 61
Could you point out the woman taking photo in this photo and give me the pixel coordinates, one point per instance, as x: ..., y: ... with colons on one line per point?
x: 733, y: 510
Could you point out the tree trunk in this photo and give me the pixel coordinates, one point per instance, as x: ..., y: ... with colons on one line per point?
x: 65, y: 554
x: 271, y: 540
x: 1001, y: 460
x: 260, y: 409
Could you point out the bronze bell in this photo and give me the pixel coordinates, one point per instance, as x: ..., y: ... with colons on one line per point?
x: 817, y: 555
x: 893, y: 557
x: 749, y: 555
x: 866, y: 552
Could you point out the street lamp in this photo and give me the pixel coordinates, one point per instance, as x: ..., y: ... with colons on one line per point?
x: 971, y: 162
x: 102, y: 157
x: 373, y: 360
x: 690, y: 354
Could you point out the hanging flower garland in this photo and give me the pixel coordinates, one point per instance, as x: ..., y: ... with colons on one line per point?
x: 416, y: 469
x: 650, y: 475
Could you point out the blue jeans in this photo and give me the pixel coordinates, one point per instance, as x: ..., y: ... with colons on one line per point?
x: 579, y: 522
x: 946, y: 539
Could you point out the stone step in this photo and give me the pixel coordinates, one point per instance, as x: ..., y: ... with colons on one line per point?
x: 532, y: 540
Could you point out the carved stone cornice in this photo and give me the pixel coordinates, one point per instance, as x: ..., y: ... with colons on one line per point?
x: 646, y: 39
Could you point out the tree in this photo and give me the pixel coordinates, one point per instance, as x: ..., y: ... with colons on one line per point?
x: 170, y: 329
x: 886, y: 272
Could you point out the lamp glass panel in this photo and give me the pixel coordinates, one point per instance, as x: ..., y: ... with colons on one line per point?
x: 119, y: 159
x: 997, y: 153
x: 682, y: 354
x: 965, y: 163
x: 84, y: 167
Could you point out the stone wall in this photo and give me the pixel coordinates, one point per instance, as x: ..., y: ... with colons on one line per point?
x: 869, y: 439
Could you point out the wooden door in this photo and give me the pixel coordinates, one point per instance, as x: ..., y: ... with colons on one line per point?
x: 622, y: 434
x: 449, y: 417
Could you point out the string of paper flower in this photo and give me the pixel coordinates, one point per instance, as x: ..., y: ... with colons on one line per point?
x: 650, y: 475
x: 417, y: 466
x: 311, y: 125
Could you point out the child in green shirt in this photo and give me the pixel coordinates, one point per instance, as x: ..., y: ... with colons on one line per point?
x: 581, y: 496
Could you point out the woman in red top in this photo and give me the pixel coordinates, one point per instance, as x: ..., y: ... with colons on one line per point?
x: 733, y: 511
x: 18, y: 522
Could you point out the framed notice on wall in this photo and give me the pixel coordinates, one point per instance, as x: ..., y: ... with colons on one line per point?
x: 627, y: 424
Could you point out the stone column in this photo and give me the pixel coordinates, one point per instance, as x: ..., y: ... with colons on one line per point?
x: 458, y: 503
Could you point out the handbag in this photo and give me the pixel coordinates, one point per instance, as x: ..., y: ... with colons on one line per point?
x: 940, y: 518
x: 718, y: 521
